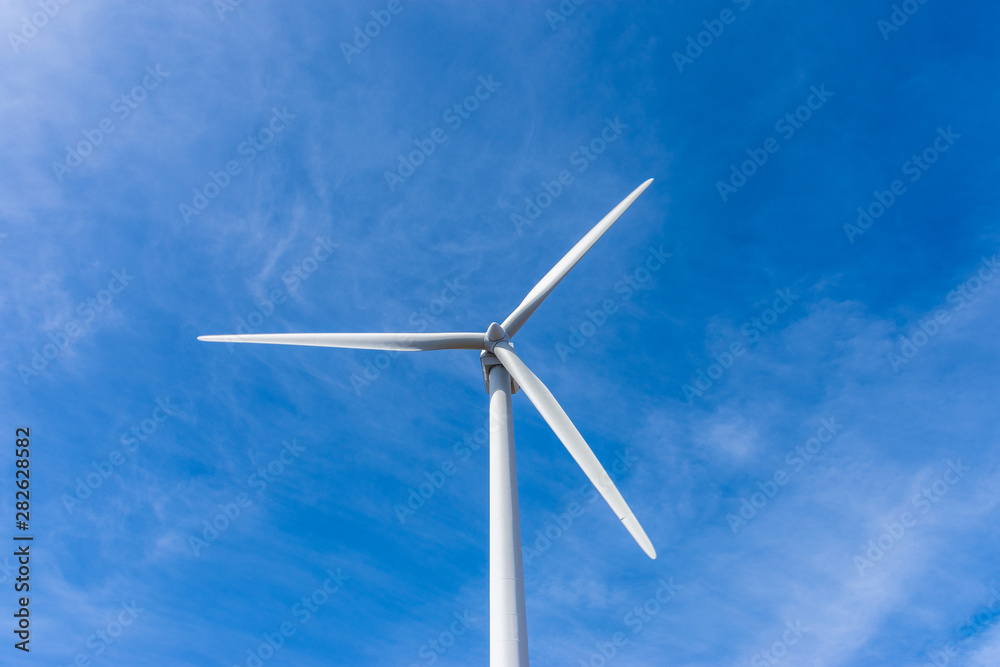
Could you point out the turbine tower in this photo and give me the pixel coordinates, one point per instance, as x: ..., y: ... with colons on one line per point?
x: 503, y: 373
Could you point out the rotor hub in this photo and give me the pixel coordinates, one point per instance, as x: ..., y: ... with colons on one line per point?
x: 494, y: 334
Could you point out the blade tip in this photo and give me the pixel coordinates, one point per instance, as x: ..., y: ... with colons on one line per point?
x: 642, y: 188
x: 646, y: 545
x: 639, y: 535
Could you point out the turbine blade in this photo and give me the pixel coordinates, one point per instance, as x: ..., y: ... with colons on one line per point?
x: 564, y: 429
x: 545, y: 286
x: 410, y: 342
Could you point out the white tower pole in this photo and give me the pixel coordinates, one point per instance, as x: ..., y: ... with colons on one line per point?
x: 508, y: 623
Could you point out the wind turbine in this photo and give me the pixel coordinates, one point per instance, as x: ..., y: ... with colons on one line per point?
x: 503, y: 373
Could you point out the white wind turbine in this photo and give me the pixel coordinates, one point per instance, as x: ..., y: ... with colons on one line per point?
x: 503, y: 372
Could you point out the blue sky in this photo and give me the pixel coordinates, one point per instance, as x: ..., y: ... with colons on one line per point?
x: 801, y: 397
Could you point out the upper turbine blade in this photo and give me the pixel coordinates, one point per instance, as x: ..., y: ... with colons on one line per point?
x: 410, y: 342
x: 545, y: 286
x: 556, y: 418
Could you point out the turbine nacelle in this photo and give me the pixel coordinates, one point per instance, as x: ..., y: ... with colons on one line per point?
x: 494, y: 334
